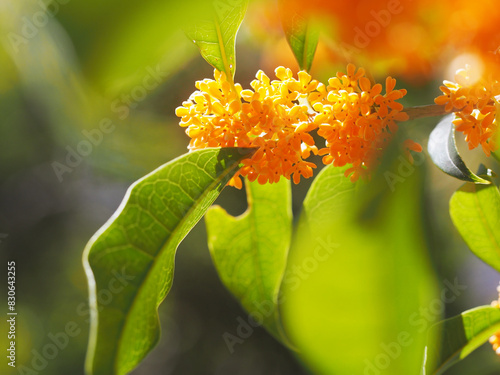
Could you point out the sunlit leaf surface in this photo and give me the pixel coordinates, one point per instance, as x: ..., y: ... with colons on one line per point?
x: 130, y: 261
x: 250, y: 251
x: 475, y: 211
x: 460, y: 336
x: 353, y: 288
x: 215, y: 33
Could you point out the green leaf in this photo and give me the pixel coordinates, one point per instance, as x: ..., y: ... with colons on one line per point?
x: 354, y: 288
x: 444, y: 153
x: 460, y: 336
x: 133, y: 51
x: 475, y: 211
x: 300, y: 34
x: 130, y: 261
x: 250, y: 251
x: 215, y: 33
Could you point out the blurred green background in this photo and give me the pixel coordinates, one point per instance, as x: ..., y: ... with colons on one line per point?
x: 69, y: 66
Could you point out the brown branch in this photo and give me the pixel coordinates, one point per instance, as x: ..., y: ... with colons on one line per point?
x: 432, y: 110
x: 422, y: 111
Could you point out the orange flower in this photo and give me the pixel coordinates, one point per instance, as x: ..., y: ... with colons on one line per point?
x: 268, y: 116
x: 357, y: 121
x: 410, y: 145
x: 402, y: 37
x: 475, y: 106
x: 277, y: 117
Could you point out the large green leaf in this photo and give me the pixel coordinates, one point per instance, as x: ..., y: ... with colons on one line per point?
x: 300, y: 34
x: 250, y: 251
x: 133, y: 50
x: 460, y: 336
x: 215, y: 33
x: 475, y: 211
x: 443, y: 151
x: 130, y: 261
x: 354, y: 288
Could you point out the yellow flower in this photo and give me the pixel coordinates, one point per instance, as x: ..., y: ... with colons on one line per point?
x: 357, y: 121
x: 268, y: 117
x: 351, y: 114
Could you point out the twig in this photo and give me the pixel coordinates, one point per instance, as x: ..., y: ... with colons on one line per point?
x: 422, y: 111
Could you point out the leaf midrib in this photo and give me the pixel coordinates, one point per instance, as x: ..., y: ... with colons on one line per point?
x: 222, y: 47
x: 173, y: 235
x: 306, y: 48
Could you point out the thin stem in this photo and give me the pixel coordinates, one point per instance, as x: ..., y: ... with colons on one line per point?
x: 422, y: 111
x: 432, y: 110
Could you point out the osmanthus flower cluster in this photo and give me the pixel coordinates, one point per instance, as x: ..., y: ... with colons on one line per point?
x: 495, y: 339
x: 357, y: 121
x: 475, y: 107
x: 277, y: 117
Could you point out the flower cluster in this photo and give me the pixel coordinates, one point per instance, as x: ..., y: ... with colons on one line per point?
x: 277, y: 117
x: 266, y: 117
x: 495, y: 339
x: 475, y: 107
x: 356, y: 120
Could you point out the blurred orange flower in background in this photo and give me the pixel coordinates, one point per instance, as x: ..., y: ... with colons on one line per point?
x: 403, y: 37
